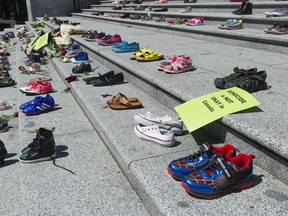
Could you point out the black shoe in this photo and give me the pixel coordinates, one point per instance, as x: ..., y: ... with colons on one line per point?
x: 3, y: 152
x: 106, y: 81
x: 245, y: 10
x: 135, y: 17
x: 190, y: 1
x: 3, y: 126
x: 42, y: 148
x: 82, y: 68
x: 104, y: 76
x: 238, y: 73
x: 160, y: 9
x: 252, y: 83
x: 240, y: 8
x: 117, y: 8
x: 126, y: 15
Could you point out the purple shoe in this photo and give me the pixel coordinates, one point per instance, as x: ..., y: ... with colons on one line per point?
x: 111, y: 41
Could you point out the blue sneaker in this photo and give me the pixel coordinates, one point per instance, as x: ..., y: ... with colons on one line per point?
x: 220, y: 177
x: 82, y: 57
x: 124, y: 47
x: 38, y: 105
x: 183, y: 166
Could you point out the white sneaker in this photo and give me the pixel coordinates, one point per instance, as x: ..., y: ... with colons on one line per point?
x: 165, y: 122
x: 155, y: 134
x: 186, y: 10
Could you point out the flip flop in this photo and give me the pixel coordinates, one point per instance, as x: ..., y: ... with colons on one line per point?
x: 116, y: 98
x: 123, y: 103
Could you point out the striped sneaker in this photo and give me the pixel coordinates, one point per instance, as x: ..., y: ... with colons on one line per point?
x: 38, y: 105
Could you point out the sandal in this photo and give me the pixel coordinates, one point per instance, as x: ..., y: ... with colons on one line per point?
x: 151, y: 56
x: 171, y: 59
x: 119, y: 95
x: 140, y: 53
x: 41, y: 79
x: 123, y: 102
x: 5, y: 82
x: 178, y: 67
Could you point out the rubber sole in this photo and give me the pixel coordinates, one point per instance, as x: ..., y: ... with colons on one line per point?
x: 39, y: 160
x: 175, y: 177
x: 239, y: 186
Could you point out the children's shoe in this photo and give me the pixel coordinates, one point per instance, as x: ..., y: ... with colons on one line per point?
x: 195, y: 21
x: 82, y: 68
x: 124, y: 47
x: 161, y: 2
x: 116, y: 39
x: 37, y: 88
x: 35, y: 67
x: 38, y: 105
x: 82, y: 57
x: 220, y: 177
x: 3, y: 152
x: 183, y: 166
x: 155, y: 134
x: 41, y: 149
x: 231, y: 24
x: 164, y: 122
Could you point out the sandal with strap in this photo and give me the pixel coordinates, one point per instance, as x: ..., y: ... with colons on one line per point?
x: 151, y: 56
x: 171, y: 59
x: 180, y: 65
x: 119, y: 95
x: 123, y: 102
x: 140, y: 53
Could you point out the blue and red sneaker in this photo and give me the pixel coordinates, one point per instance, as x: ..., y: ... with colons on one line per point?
x: 220, y: 177
x: 38, y: 105
x: 183, y: 166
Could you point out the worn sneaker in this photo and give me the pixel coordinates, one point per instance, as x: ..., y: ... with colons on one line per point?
x: 3, y: 152
x: 165, y: 122
x: 251, y: 84
x: 82, y: 57
x: 195, y: 21
x: 231, y: 24
x: 183, y: 166
x: 155, y: 134
x: 116, y: 39
x: 238, y: 73
x: 37, y: 88
x: 220, y: 177
x: 124, y: 47
x: 38, y: 105
x: 42, y: 148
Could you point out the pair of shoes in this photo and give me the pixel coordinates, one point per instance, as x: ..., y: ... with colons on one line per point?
x: 186, y: 10
x: 38, y: 105
x: 92, y: 36
x: 42, y: 148
x: 277, y: 12
x: 190, y: 1
x: 121, y: 102
x: 278, y: 29
x: 146, y: 55
x: 244, y: 9
x: 231, y: 24
x: 160, y: 19
x: 160, y: 9
x: 146, y: 18
x: 176, y: 64
x: 82, y: 68
x: 195, y: 21
x: 135, y: 16
x: 161, y: 130
x: 6, y: 82
x: 3, y: 152
x: 213, y: 172
x: 108, y: 79
x: 124, y: 47
x: 37, y: 88
x: 250, y: 80
x: 109, y: 40
x: 81, y: 57
x: 126, y: 15
x: 161, y: 2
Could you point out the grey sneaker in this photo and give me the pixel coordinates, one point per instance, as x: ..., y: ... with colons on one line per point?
x: 186, y: 10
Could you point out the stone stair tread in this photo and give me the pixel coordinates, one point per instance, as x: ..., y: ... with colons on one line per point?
x: 146, y: 162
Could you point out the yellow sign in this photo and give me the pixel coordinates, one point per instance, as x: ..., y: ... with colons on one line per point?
x: 42, y: 41
x: 203, y: 110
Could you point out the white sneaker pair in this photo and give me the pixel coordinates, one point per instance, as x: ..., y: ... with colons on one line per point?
x: 157, y: 129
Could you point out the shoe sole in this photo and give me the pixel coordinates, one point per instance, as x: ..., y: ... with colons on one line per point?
x: 40, y: 159
x: 239, y: 186
x: 175, y: 177
x: 37, y: 113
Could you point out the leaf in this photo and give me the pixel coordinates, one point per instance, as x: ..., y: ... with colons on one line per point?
x: 67, y: 90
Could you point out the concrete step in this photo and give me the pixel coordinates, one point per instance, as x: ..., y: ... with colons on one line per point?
x: 254, y: 128
x: 246, y: 37
x: 97, y: 187
x: 145, y: 163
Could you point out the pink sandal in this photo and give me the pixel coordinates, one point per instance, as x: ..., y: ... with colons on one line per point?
x: 171, y: 59
x: 180, y: 65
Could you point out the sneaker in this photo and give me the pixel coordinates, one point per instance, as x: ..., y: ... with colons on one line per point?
x: 161, y: 2
x: 281, y: 30
x: 155, y: 134
x: 3, y: 152
x: 124, y: 47
x: 280, y: 12
x: 82, y: 68
x: 238, y: 73
x: 3, y: 126
x: 183, y: 166
x: 39, y: 105
x: 82, y: 57
x: 186, y: 10
x: 41, y: 149
x: 231, y: 24
x: 165, y: 122
x: 195, y: 21
x: 220, y: 177
x: 252, y: 83
x: 37, y: 88
x: 116, y: 39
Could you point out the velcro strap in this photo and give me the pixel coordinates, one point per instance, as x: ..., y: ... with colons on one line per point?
x: 226, y: 169
x: 207, y: 149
